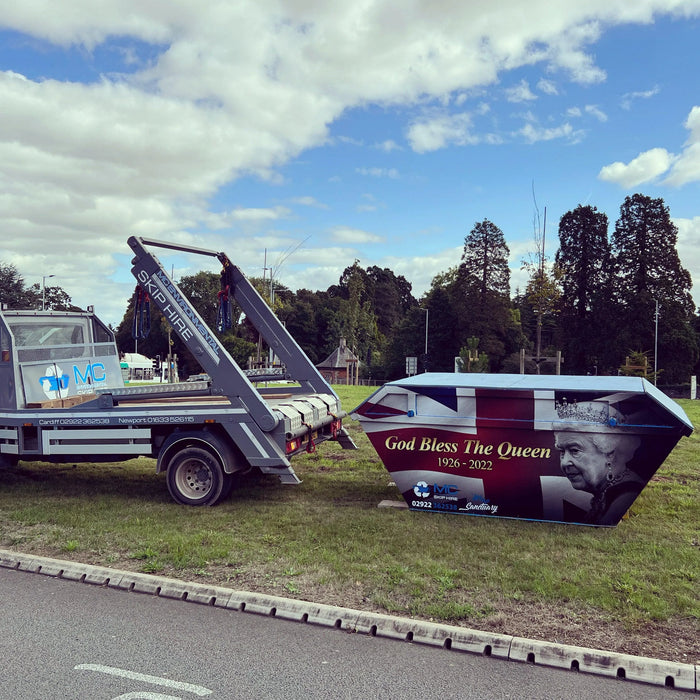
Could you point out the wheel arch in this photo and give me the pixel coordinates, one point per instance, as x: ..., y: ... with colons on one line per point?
x: 230, y: 456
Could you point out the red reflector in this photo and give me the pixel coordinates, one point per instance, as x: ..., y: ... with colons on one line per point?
x: 292, y: 446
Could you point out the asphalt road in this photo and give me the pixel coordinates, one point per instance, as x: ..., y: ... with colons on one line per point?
x: 63, y: 639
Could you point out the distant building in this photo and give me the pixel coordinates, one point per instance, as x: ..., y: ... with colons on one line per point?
x: 341, y: 366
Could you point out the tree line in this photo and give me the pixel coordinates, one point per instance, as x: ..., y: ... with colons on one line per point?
x: 607, y: 303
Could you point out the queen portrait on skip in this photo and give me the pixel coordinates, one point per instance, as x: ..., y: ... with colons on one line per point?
x: 595, y: 459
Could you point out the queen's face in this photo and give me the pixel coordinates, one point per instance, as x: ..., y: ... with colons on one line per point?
x: 581, y: 461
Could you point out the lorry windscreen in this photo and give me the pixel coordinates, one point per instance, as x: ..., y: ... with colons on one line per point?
x: 42, y: 332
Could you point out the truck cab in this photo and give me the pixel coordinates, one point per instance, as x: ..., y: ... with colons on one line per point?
x: 54, y: 355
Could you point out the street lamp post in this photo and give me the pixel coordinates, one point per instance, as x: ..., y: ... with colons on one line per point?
x: 43, y: 291
x: 656, y: 338
x: 426, y: 330
x: 425, y: 354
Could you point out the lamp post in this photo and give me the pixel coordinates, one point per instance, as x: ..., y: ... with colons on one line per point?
x: 425, y: 354
x: 426, y: 330
x: 43, y: 291
x: 656, y: 338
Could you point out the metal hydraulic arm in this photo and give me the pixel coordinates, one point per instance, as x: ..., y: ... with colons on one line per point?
x: 228, y: 378
x: 298, y: 366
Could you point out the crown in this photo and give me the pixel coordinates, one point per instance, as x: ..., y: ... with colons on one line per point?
x: 586, y: 412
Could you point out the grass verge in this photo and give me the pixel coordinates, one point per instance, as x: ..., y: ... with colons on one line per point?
x: 633, y: 588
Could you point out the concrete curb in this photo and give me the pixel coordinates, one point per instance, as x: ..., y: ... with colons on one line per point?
x: 622, y: 666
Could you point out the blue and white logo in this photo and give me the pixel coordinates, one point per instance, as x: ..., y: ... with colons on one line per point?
x: 421, y: 489
x: 54, y: 382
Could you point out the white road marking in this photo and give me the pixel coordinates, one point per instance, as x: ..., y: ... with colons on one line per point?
x: 155, y: 680
x: 147, y: 696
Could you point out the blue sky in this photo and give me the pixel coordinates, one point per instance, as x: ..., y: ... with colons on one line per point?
x: 300, y: 136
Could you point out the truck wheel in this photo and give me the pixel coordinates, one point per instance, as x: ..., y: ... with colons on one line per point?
x: 196, y: 478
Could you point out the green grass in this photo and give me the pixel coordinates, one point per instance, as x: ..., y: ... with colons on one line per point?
x: 326, y: 540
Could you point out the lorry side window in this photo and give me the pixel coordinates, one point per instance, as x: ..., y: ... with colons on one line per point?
x: 100, y: 333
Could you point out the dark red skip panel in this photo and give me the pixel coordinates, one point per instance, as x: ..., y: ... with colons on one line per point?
x: 505, y: 408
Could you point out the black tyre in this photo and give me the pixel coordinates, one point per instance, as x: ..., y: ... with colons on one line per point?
x: 196, y: 477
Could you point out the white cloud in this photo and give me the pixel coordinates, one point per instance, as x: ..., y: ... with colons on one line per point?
x: 568, y: 53
x: 594, y: 111
x: 420, y: 270
x: 388, y: 146
x: 243, y: 216
x: 520, y: 92
x: 645, y: 167
x: 344, y: 234
x: 548, y: 87
x: 649, y: 165
x: 351, y: 141
x: 686, y: 168
x: 435, y: 131
x: 629, y: 97
x: 689, y: 249
x: 309, y: 201
x: 534, y: 133
x: 391, y: 173
x: 259, y: 214
x: 369, y: 203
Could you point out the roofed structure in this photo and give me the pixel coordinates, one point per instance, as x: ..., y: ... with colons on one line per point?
x: 341, y: 366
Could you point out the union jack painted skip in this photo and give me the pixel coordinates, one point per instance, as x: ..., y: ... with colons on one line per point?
x: 550, y: 448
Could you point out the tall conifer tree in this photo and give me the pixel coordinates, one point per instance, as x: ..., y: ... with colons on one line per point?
x: 648, y: 272
x: 583, y: 262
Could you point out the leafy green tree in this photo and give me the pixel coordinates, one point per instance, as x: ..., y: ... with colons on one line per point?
x: 471, y: 360
x: 637, y: 364
x: 583, y: 262
x: 407, y: 340
x: 648, y: 272
x: 17, y: 295
x: 358, y: 320
x: 202, y: 289
x: 14, y: 292
x: 238, y: 347
x: 329, y: 319
x: 360, y: 294
x: 391, y: 297
x: 54, y: 298
x: 300, y: 316
x: 443, y: 332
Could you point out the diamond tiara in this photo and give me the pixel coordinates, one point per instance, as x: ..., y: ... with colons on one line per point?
x: 586, y: 412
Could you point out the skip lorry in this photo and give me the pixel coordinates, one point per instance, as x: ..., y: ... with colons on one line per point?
x: 63, y: 399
